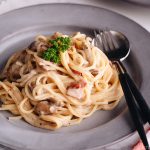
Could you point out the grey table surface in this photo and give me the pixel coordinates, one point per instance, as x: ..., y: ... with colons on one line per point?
x: 138, y: 13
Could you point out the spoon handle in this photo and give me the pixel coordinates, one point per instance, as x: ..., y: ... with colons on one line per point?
x: 133, y: 109
x: 138, y: 97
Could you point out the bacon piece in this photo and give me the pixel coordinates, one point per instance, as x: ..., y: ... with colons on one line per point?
x: 75, y: 89
x: 78, y: 84
x: 56, y: 35
x: 77, y: 93
x: 76, y: 72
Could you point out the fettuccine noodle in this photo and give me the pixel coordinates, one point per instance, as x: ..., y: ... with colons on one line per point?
x: 50, y: 95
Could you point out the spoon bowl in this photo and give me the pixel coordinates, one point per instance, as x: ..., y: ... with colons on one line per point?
x: 121, y: 48
x: 118, y: 47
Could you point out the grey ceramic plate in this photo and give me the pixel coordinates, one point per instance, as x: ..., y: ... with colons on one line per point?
x: 143, y: 2
x: 17, y: 29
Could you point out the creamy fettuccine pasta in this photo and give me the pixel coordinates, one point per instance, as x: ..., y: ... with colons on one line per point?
x: 58, y: 81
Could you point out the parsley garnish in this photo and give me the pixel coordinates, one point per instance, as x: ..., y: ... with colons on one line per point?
x: 61, y: 44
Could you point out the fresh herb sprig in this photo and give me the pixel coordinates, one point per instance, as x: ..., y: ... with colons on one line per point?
x: 60, y: 44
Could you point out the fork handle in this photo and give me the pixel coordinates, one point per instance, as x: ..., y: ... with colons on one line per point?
x: 138, y: 97
x: 133, y: 109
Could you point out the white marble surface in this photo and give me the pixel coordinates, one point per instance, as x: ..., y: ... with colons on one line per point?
x: 138, y: 13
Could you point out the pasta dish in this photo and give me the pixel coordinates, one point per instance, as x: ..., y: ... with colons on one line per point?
x: 58, y: 81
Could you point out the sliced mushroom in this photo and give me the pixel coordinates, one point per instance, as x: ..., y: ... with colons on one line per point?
x: 1, y: 102
x: 33, y: 46
x: 42, y: 108
x: 94, y: 72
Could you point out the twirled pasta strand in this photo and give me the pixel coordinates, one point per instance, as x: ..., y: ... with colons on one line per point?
x: 36, y: 80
